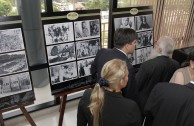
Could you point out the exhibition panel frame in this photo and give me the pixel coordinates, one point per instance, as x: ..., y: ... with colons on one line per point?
x: 71, y: 46
x: 16, y: 86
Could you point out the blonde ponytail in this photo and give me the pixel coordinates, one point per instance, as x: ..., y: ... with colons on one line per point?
x: 96, y: 104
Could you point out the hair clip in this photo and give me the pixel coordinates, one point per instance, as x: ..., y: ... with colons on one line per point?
x: 103, y: 82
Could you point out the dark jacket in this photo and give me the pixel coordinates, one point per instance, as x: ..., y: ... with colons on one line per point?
x: 159, y: 69
x: 117, y: 111
x: 170, y: 105
x: 104, y: 55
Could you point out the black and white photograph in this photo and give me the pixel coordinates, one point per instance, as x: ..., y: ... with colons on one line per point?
x: 145, y: 39
x: 13, y: 63
x: 141, y: 55
x: 87, y: 29
x: 95, y: 28
x: 11, y: 40
x: 61, y: 53
x: 63, y: 72
x: 58, y: 33
x: 149, y: 50
x: 16, y: 99
x: 132, y: 58
x: 84, y: 67
x: 14, y: 84
x: 144, y: 22
x: 124, y: 22
x: 87, y: 48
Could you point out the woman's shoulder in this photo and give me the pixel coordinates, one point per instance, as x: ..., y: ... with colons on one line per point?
x: 181, y: 69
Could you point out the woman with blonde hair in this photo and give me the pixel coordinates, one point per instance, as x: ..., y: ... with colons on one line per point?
x: 104, y: 105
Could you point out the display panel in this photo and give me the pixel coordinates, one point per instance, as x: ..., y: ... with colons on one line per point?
x: 70, y: 61
x: 15, y: 80
x: 140, y: 19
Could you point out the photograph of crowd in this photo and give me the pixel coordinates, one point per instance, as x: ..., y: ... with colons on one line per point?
x: 58, y: 33
x: 88, y: 48
x: 63, y: 72
x: 11, y: 40
x: 144, y: 22
x: 87, y: 29
x: 84, y: 67
x: 145, y: 39
x: 124, y: 22
x: 61, y: 53
x: 13, y: 63
x: 132, y: 58
x: 14, y: 84
x: 141, y: 55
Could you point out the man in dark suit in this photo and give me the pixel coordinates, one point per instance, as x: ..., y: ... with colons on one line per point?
x: 124, y: 43
x: 159, y: 68
x: 170, y: 105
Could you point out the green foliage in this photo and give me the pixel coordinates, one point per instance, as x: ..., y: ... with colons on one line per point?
x: 97, y: 4
x: 55, y: 7
x: 5, y: 7
x: 13, y: 13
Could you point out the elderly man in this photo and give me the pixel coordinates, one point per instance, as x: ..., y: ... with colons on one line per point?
x: 159, y: 68
x: 170, y: 105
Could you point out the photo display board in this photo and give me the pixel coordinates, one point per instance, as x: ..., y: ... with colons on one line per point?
x: 71, y: 48
x: 15, y: 80
x: 141, y: 20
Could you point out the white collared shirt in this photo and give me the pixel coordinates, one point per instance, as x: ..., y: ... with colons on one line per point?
x: 122, y: 51
x: 192, y: 82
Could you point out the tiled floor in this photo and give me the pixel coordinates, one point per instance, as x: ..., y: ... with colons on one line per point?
x: 49, y: 116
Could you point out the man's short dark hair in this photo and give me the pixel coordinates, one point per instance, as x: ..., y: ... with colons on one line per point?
x: 124, y: 36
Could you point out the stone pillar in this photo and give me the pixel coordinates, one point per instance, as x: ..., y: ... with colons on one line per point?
x: 30, y: 11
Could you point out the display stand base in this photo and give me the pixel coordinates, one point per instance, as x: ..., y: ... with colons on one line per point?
x: 23, y: 109
x: 63, y: 97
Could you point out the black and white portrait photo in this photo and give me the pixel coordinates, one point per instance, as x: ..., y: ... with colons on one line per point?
x: 82, y: 30
x: 145, y: 39
x: 95, y: 28
x: 84, y: 67
x: 141, y: 55
x: 63, y: 72
x: 87, y: 48
x: 124, y: 22
x: 61, y: 53
x: 14, y: 84
x: 144, y: 22
x: 11, y: 40
x: 13, y: 63
x: 132, y: 58
x: 58, y: 33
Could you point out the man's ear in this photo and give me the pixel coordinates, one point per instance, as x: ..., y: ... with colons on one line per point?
x: 159, y: 49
